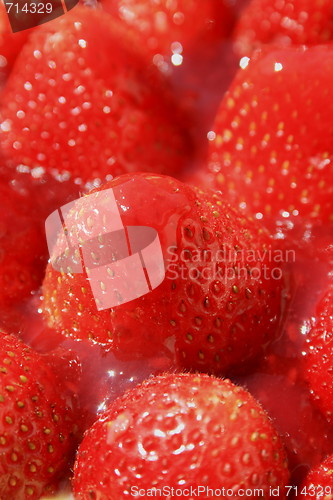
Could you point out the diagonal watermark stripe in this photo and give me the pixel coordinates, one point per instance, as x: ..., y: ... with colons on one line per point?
x: 121, y: 263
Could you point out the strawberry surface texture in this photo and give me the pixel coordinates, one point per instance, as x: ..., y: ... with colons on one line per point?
x: 37, y: 424
x: 76, y: 107
x: 283, y: 23
x: 270, y: 145
x: 182, y: 432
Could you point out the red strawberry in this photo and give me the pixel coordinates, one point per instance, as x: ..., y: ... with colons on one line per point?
x: 301, y: 22
x: 319, y: 482
x: 320, y: 354
x: 271, y: 144
x: 85, y: 100
x: 220, y: 301
x: 37, y: 424
x: 181, y: 431
x: 171, y: 30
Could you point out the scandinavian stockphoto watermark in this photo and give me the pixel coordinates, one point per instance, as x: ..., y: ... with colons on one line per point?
x: 25, y: 14
x: 196, y: 492
x: 122, y: 263
x: 315, y: 491
x: 227, y: 263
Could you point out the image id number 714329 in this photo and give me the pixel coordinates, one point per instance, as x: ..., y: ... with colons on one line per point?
x: 29, y: 8
x: 315, y: 491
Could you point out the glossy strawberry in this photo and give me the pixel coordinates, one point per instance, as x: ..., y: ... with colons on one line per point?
x: 284, y: 23
x: 37, y: 424
x: 220, y: 301
x: 319, y: 354
x: 180, y: 431
x: 86, y: 101
x: 271, y: 144
x: 172, y: 30
x: 319, y: 482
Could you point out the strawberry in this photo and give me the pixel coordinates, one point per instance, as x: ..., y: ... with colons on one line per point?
x: 86, y: 101
x: 271, y: 144
x: 220, y: 301
x: 319, y: 482
x: 172, y: 30
x: 183, y: 432
x: 37, y: 424
x: 300, y: 22
x: 319, y: 352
